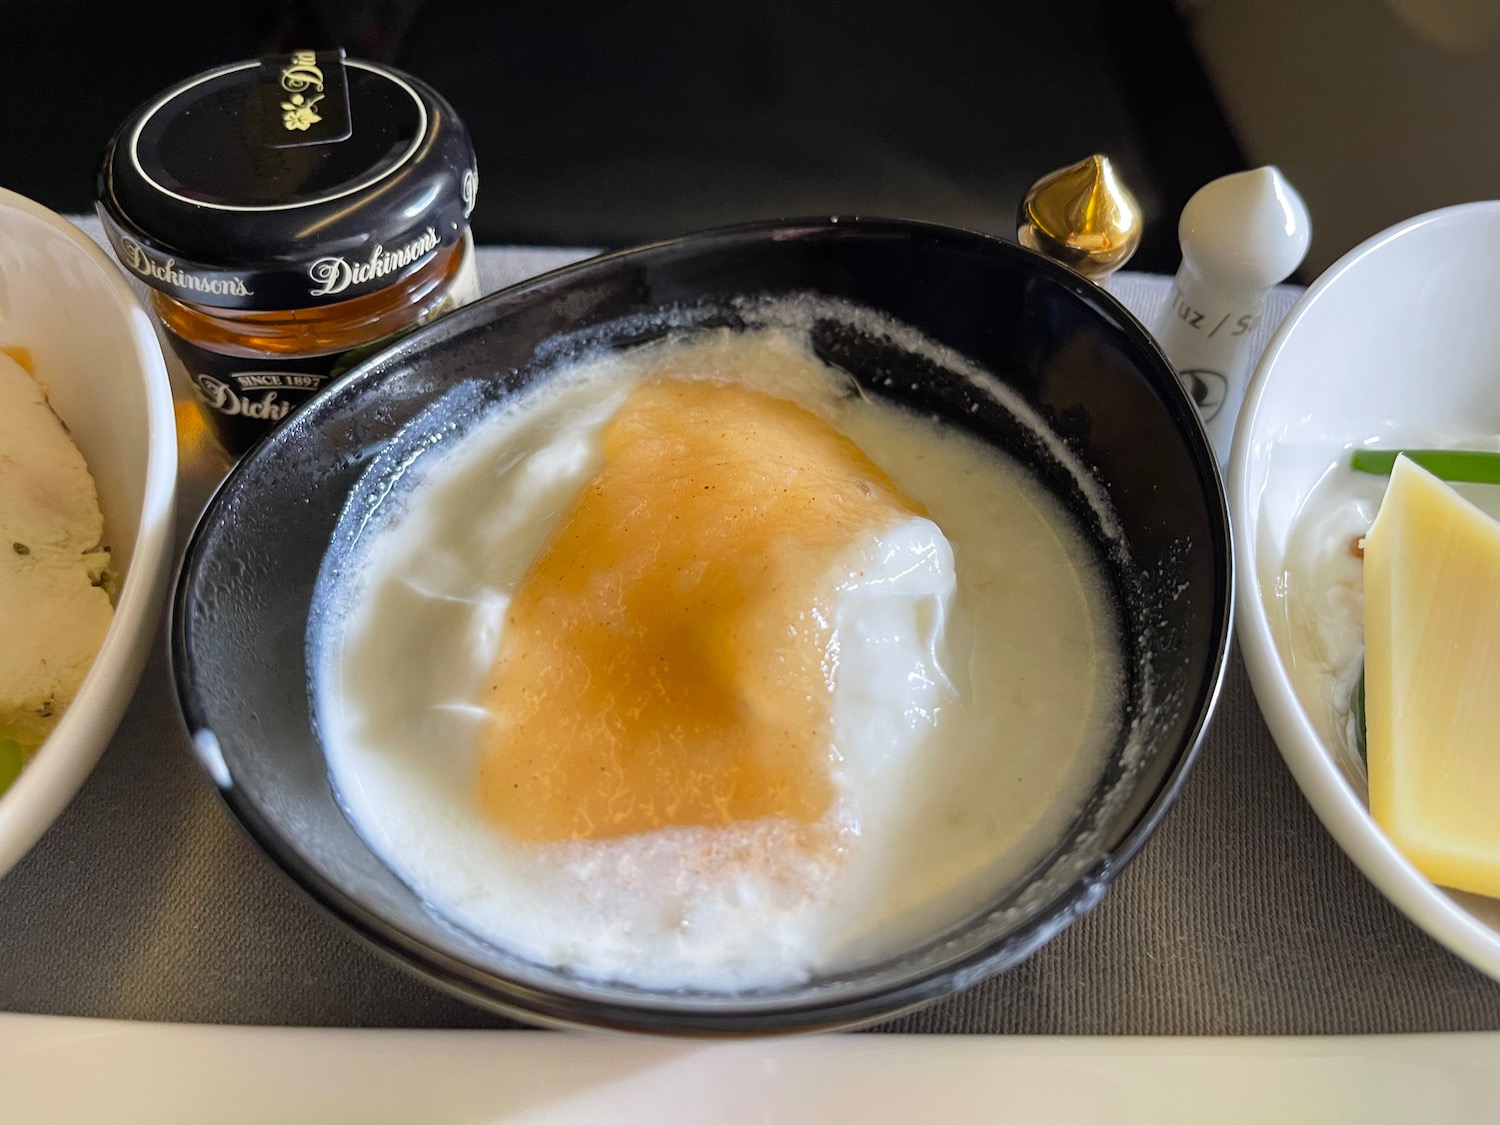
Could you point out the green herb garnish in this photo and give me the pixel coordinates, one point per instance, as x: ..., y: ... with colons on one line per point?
x: 10, y: 762
x: 1471, y: 466
x: 20, y: 548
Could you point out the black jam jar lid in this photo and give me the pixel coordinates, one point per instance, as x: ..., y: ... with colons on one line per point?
x: 287, y: 182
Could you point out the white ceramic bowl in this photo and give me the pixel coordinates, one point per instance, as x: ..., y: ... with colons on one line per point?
x: 95, y: 348
x: 1400, y: 335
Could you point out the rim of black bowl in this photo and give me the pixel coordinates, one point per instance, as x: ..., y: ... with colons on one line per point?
x: 518, y: 999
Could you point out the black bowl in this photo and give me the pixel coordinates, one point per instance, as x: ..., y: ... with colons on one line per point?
x: 1073, y: 353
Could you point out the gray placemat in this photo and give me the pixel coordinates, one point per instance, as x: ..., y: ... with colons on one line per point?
x: 1240, y: 917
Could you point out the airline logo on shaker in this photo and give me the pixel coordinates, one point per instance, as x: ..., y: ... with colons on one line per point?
x: 336, y: 274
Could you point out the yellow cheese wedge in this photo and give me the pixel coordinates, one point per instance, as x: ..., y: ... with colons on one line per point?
x: 1432, y: 679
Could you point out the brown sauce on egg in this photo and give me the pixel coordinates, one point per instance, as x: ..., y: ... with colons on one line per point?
x: 666, y: 658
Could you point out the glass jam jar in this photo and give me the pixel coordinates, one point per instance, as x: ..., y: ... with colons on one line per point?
x: 290, y: 215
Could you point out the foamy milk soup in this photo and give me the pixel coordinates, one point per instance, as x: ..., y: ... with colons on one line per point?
x: 695, y: 668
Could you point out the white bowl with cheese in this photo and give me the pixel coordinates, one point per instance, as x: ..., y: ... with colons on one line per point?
x: 69, y: 311
x: 1397, y: 345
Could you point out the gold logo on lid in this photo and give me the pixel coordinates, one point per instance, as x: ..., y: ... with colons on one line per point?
x: 301, y: 75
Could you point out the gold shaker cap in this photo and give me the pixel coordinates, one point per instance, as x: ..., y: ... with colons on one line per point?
x: 1082, y: 216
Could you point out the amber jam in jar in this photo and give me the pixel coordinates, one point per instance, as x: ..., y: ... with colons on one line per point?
x: 291, y: 215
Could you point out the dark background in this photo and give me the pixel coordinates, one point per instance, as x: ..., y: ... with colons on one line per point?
x: 605, y: 124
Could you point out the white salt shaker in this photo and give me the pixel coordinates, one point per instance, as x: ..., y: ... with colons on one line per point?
x: 1240, y: 235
